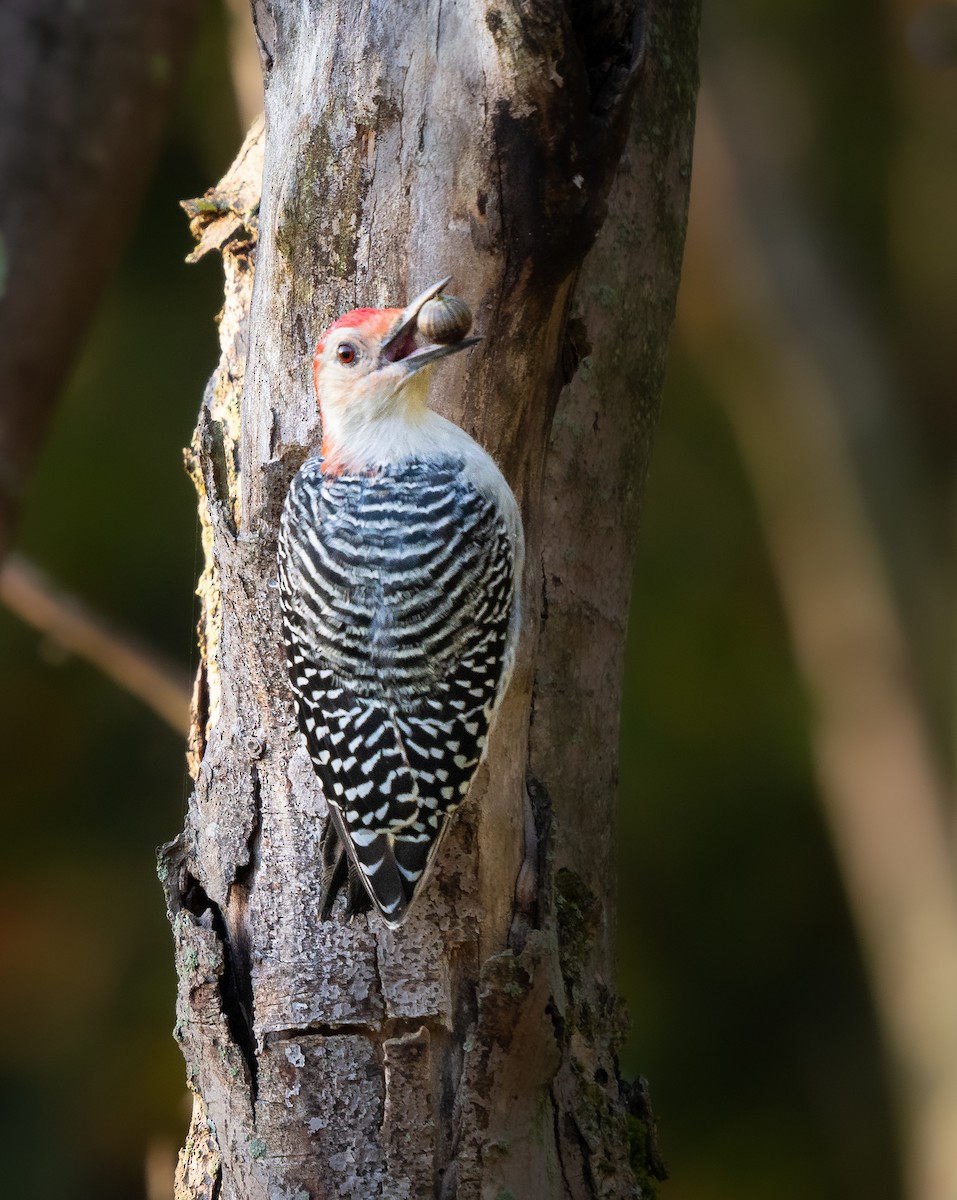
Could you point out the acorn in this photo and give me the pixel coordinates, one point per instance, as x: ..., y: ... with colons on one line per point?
x: 444, y: 319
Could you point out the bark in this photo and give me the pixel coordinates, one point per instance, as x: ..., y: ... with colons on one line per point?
x: 472, y: 1053
x: 84, y: 94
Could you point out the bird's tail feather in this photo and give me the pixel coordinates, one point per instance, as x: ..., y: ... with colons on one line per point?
x: 373, y: 874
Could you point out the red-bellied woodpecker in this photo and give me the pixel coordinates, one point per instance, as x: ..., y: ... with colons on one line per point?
x: 400, y: 556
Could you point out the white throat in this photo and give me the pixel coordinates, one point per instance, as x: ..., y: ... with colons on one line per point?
x: 377, y: 421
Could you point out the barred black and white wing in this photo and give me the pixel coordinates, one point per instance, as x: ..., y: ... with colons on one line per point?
x: 397, y: 598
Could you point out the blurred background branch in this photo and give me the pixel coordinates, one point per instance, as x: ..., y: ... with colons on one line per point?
x: 244, y: 65
x: 85, y: 92
x: 103, y: 356
x: 816, y: 308
x: 880, y: 783
x: 162, y: 685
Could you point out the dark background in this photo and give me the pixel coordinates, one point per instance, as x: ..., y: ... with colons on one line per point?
x: 751, y: 1014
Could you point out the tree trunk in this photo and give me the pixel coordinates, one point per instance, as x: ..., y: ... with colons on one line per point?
x: 471, y: 1053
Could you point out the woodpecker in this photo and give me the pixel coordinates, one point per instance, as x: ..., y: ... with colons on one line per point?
x: 400, y: 559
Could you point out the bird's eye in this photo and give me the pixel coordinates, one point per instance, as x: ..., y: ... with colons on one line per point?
x: 346, y: 353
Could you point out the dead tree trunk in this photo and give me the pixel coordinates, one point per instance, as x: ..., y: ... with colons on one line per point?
x: 472, y: 1053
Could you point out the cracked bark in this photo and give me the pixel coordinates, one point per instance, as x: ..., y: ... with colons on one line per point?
x: 473, y: 1052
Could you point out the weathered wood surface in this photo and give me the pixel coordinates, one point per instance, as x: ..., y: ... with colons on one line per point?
x: 472, y: 1052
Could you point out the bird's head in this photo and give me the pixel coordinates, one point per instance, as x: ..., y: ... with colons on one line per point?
x: 369, y: 378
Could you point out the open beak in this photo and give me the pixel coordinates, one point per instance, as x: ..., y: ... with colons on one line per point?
x: 396, y: 346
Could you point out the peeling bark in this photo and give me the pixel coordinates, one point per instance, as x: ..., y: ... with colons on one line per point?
x: 472, y: 1053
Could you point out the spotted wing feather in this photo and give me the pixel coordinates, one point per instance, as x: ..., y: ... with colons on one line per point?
x: 396, y: 591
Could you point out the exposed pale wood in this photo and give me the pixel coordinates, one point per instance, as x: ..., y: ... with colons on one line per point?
x: 472, y: 1052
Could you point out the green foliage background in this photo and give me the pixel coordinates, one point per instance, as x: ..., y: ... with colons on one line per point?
x: 750, y: 1011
